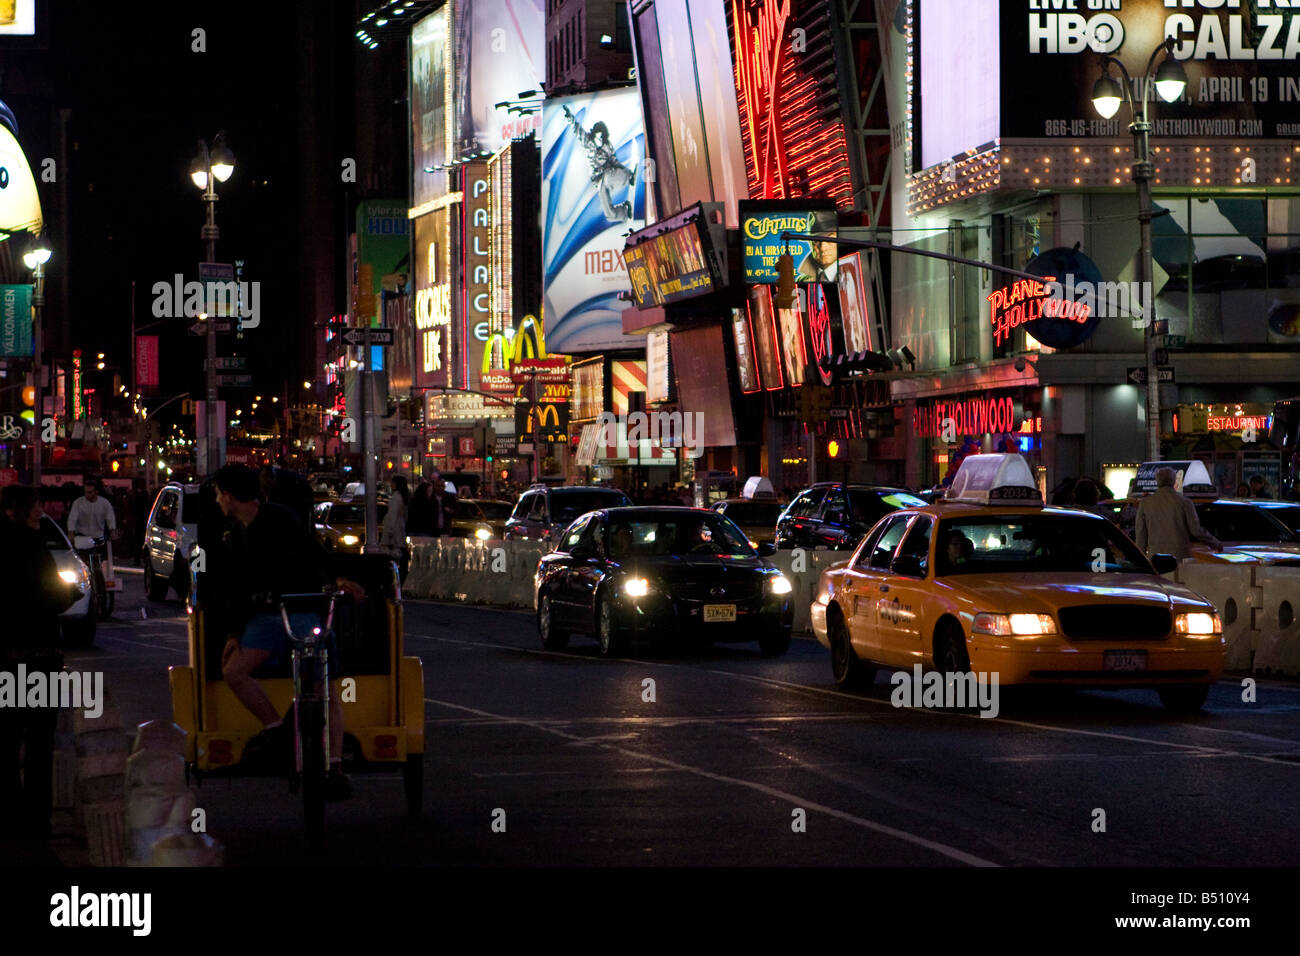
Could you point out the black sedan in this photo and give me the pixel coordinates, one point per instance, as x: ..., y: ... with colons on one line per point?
x: 628, y: 573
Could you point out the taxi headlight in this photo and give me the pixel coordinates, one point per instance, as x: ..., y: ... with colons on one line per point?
x: 1014, y: 625
x: 349, y: 540
x: 482, y: 534
x: 69, y: 577
x: 779, y: 584
x: 636, y: 587
x: 1199, y: 624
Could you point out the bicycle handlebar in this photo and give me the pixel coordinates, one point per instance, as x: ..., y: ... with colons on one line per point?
x: 333, y: 596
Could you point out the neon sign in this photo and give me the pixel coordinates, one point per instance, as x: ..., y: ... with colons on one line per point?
x: 791, y: 147
x: 1027, y: 301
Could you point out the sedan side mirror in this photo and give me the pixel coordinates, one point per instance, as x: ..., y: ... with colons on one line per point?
x: 766, y: 549
x: 1164, y: 563
x: 909, y: 565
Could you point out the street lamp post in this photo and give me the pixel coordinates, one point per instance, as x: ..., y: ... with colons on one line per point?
x: 1169, y: 80
x: 35, y: 258
x: 207, y: 167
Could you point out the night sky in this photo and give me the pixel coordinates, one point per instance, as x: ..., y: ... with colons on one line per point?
x: 140, y: 99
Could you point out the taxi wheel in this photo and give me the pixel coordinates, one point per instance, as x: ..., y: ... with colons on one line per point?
x: 553, y: 639
x: 846, y: 667
x: 612, y: 644
x: 1185, y: 698
x: 950, y: 655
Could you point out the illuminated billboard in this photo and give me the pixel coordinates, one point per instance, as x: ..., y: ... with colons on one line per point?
x: 761, y: 225
x: 593, y: 194
x: 671, y: 261
x: 435, y: 308
x: 500, y: 53
x: 431, y: 104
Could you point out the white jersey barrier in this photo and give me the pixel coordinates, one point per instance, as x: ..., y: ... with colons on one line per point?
x: 1277, y: 642
x: 1230, y: 588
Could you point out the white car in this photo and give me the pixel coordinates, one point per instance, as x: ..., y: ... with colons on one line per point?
x: 78, y: 621
x: 170, y: 535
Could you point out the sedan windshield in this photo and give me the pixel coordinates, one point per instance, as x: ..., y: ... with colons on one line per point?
x: 567, y: 505
x: 1020, y: 544
x: 680, y: 535
x: 353, y: 513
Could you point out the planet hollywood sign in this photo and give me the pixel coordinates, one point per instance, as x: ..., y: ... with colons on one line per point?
x: 971, y: 416
x: 1028, y: 301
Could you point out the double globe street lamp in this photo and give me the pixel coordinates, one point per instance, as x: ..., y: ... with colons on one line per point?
x: 208, y: 167
x: 1108, y: 94
x: 37, y: 254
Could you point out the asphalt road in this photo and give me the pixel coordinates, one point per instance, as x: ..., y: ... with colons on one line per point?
x: 582, y: 770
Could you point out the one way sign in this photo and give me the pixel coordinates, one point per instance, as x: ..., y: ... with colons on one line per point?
x: 383, y: 336
x: 1138, y: 375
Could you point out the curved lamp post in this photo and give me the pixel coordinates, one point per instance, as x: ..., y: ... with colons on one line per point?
x: 1107, y: 95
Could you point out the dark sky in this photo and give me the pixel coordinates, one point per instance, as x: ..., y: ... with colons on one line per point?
x: 276, y: 76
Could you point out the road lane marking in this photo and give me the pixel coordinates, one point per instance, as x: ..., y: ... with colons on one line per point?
x: 792, y: 799
x: 806, y: 688
x: 135, y: 643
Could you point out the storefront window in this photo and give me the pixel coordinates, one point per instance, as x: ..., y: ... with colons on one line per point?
x: 1233, y: 267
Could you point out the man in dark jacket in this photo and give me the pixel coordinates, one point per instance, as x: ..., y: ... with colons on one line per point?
x: 33, y: 596
x: 271, y: 554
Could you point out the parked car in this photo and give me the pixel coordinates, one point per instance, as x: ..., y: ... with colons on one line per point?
x: 543, y: 511
x: 757, y: 517
x: 646, y: 572
x: 836, y: 515
x: 171, y: 533
x: 77, y: 622
x: 1253, y: 527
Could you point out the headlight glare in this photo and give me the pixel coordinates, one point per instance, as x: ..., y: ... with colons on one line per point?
x: 482, y: 534
x: 349, y: 540
x: 780, y: 584
x: 68, y: 577
x: 1032, y: 625
x: 1199, y: 624
x: 636, y: 587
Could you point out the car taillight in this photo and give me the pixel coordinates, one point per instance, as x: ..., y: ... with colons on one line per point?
x: 386, y: 746
x: 219, y: 751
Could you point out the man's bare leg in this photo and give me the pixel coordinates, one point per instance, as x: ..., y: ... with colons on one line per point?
x: 237, y: 669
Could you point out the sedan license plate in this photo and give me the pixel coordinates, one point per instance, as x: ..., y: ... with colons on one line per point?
x: 1124, y: 661
x: 719, y: 612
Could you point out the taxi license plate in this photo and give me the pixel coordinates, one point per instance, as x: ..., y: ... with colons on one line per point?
x: 719, y: 612
x: 1124, y: 661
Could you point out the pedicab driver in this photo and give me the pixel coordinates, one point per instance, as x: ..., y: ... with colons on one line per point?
x: 272, y: 555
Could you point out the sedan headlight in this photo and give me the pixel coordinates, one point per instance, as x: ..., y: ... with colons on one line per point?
x: 69, y: 577
x: 1014, y: 625
x: 779, y: 584
x: 636, y: 587
x: 348, y: 540
x: 483, y: 534
x: 1198, y: 624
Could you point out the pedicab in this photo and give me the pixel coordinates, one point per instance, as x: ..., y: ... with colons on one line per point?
x: 380, y: 687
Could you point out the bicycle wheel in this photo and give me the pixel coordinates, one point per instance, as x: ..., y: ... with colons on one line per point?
x: 312, y: 734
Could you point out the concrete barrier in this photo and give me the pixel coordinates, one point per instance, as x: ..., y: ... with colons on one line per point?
x: 1277, y: 621
x: 473, y: 571
x: 1231, y: 589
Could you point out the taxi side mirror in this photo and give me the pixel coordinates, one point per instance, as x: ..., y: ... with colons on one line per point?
x: 1164, y: 563
x: 908, y: 565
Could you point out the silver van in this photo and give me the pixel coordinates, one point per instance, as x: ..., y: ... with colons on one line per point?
x: 170, y: 534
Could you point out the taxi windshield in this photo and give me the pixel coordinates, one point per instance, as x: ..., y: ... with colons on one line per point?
x: 1018, y: 544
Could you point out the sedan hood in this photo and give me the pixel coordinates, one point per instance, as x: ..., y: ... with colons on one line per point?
x: 1042, y: 593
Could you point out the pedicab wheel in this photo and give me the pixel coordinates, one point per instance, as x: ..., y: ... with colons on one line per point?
x: 313, y: 771
x: 413, y: 781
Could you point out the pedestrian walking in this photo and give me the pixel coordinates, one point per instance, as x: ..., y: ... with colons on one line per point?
x: 33, y: 596
x: 1167, y: 522
x: 392, y: 534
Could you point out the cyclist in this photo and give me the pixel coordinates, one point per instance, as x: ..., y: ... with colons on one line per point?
x: 272, y: 555
x: 92, y: 514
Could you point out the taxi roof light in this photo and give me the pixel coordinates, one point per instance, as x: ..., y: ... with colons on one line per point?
x: 995, y: 478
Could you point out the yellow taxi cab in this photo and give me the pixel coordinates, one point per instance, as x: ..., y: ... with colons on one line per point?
x: 989, y: 580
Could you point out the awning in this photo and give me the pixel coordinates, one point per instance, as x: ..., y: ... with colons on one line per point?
x: 594, y: 450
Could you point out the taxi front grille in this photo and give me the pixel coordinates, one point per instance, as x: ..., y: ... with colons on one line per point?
x: 1098, y: 622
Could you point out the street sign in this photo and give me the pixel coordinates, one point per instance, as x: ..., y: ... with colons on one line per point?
x: 381, y: 336
x: 1138, y: 375
x: 839, y: 411
x: 231, y: 363
x: 235, y: 381
x: 220, y: 325
x: 222, y: 271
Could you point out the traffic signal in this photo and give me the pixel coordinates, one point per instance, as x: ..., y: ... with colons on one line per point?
x: 28, y: 414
